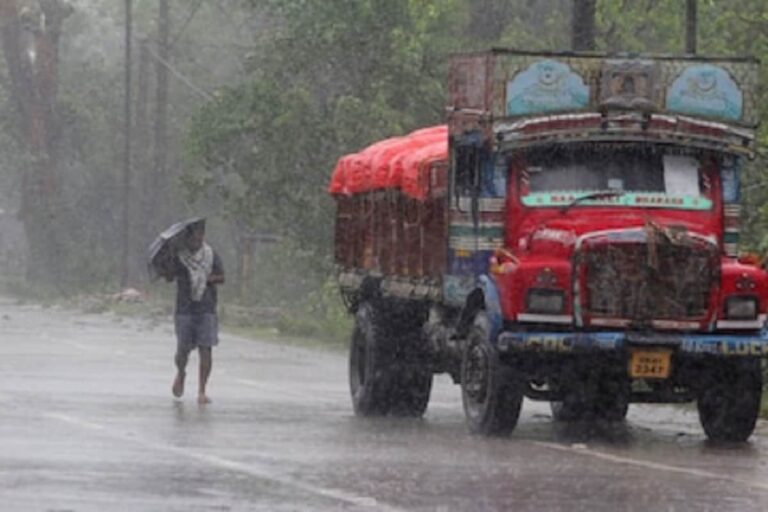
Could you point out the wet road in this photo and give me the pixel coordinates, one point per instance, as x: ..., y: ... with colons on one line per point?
x: 88, y: 424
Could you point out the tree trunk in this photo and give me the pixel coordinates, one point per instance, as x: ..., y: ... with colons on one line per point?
x: 126, y: 260
x: 144, y: 215
x: 34, y: 84
x: 489, y: 18
x: 691, y: 23
x: 583, y: 25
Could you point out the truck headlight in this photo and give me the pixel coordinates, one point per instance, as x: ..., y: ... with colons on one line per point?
x: 545, y: 301
x: 741, y: 308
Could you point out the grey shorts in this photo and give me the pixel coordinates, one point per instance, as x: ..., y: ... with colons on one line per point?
x: 196, y: 331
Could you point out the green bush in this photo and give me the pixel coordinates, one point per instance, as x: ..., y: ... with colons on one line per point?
x: 321, y: 314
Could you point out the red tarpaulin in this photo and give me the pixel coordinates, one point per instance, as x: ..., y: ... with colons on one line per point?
x: 383, y: 164
x: 417, y: 167
x: 338, y: 178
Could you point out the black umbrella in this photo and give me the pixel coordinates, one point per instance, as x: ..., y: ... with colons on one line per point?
x: 162, y: 251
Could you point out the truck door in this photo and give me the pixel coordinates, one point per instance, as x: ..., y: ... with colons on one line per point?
x: 476, y: 214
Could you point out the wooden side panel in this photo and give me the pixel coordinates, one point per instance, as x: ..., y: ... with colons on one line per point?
x: 366, y: 226
x: 400, y: 255
x: 387, y: 246
x: 343, y: 249
x: 412, y: 237
x: 435, y: 227
x: 391, y: 234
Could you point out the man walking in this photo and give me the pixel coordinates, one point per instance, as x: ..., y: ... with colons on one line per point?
x: 198, y: 272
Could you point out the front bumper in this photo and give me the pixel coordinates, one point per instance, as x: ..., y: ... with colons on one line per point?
x: 725, y: 345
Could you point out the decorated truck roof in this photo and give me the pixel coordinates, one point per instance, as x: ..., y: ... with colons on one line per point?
x: 508, y: 94
x: 402, y: 163
x: 519, y: 99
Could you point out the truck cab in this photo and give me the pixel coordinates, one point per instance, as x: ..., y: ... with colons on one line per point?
x: 606, y: 191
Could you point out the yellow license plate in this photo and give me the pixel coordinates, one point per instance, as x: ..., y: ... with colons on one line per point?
x: 650, y: 364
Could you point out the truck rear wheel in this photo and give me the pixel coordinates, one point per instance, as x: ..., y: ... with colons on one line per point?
x: 730, y: 402
x: 492, y: 397
x: 369, y: 379
x: 412, y: 386
x: 386, y: 376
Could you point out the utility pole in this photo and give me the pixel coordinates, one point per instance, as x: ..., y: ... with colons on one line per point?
x: 691, y: 23
x: 125, y: 261
x: 143, y: 180
x: 583, y: 25
x: 160, y: 148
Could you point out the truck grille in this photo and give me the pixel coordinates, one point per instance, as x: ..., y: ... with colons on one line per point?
x: 643, y: 282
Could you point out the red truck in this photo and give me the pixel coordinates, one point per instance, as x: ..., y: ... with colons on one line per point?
x: 570, y: 236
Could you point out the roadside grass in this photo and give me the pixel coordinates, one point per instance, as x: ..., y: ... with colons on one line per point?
x: 318, y: 321
x: 301, y: 328
x: 20, y: 290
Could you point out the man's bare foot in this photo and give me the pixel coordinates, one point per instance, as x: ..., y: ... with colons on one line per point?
x: 178, y: 385
x: 202, y: 399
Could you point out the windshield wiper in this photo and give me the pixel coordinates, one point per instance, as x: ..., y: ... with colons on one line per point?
x: 605, y: 194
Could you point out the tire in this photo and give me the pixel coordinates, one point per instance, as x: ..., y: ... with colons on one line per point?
x: 730, y: 404
x: 384, y: 375
x: 411, y: 390
x: 491, y: 396
x: 369, y: 369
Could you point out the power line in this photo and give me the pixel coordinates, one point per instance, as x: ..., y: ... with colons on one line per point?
x: 186, y: 81
x: 186, y: 23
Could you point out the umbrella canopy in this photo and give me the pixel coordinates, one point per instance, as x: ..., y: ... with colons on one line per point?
x: 162, y: 251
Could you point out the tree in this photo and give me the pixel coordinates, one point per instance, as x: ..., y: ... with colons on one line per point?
x: 30, y: 42
x: 331, y: 77
x: 690, y: 26
x: 583, y: 25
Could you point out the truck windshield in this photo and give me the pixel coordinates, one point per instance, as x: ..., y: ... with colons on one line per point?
x: 644, y: 178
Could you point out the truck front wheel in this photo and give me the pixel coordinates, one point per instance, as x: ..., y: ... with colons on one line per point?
x: 729, y: 403
x: 491, y: 395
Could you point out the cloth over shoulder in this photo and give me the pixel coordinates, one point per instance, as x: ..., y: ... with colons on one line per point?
x: 199, y: 264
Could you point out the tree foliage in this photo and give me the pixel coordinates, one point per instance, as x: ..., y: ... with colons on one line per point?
x: 266, y: 95
x: 331, y: 76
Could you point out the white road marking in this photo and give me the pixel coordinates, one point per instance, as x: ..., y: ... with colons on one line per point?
x: 584, y: 450
x: 220, y: 462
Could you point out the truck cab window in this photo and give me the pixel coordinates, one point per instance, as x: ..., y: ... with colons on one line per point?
x: 631, y: 170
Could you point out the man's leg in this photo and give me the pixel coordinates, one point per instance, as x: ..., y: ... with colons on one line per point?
x: 206, y: 362
x: 184, y: 344
x: 181, y: 358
